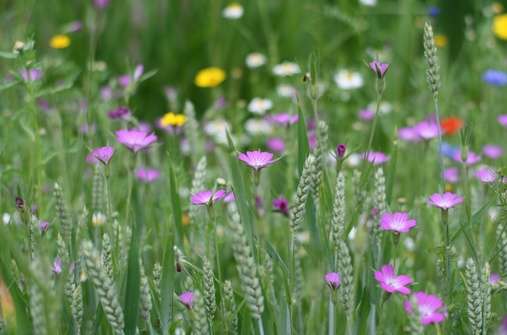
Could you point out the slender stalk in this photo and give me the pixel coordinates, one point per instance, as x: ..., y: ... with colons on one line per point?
x: 440, y: 158
x: 447, y: 260
x: 380, y: 84
x: 331, y: 321
x: 261, y: 326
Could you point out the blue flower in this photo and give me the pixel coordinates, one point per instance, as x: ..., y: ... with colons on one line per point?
x: 495, y: 77
x: 433, y: 11
x: 448, y: 150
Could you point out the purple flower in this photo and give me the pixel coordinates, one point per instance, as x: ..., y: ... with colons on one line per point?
x: 256, y: 159
x: 332, y: 279
x: 502, y: 330
x: 495, y: 77
x: 392, y: 283
x: 492, y: 151
x: 379, y: 68
x: 229, y: 197
x: 147, y: 175
x: 366, y: 114
x: 433, y: 11
x: 135, y: 140
x: 448, y: 150
x: 43, y: 226
x: 57, y: 265
x: 284, y: 119
x: 276, y: 144
x: 186, y: 298
x: 120, y: 112
x: 430, y: 308
x: 207, y: 197
x: 74, y: 26
x: 312, y: 140
x: 502, y: 119
x: 281, y: 205
x: 124, y: 80
x: 427, y: 129
x: 494, y: 278
x: 445, y: 200
x: 101, y: 3
x: 471, y: 159
x: 375, y: 157
x: 106, y: 93
x: 31, y: 74
x: 451, y: 175
x: 408, y: 134
x: 398, y: 222
x: 341, y: 149
x: 485, y: 174
x: 100, y: 155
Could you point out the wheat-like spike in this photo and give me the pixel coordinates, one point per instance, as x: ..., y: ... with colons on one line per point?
x: 320, y: 152
x: 98, y: 196
x: 304, y: 188
x: 157, y: 275
x: 474, y: 297
x: 430, y: 53
x: 298, y: 279
x: 209, y: 289
x: 63, y: 216
x: 37, y: 303
x: 107, y: 255
x: 231, y: 318
x: 245, y: 263
x: 104, y: 286
x: 502, y: 248
x: 200, y: 321
x: 379, y: 201
x: 77, y: 306
x: 486, y: 296
x: 338, y: 215
x: 145, y: 296
x: 344, y: 265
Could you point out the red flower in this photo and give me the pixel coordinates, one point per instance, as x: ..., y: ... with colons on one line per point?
x: 451, y: 125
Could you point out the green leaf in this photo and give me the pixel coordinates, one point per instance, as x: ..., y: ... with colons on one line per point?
x: 8, y: 55
x: 166, y: 284
x: 175, y: 205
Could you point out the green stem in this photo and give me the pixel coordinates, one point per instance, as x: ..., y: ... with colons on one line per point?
x: 331, y: 324
x: 440, y: 159
x: 261, y: 326
x: 380, y: 92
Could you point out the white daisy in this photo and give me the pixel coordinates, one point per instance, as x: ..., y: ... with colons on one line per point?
x: 258, y: 127
x: 353, y: 160
x: 384, y: 108
x: 6, y: 218
x: 348, y: 80
x: 259, y: 105
x: 233, y: 11
x: 286, y: 69
x: 255, y: 60
x: 369, y: 3
x: 217, y: 129
x: 286, y: 91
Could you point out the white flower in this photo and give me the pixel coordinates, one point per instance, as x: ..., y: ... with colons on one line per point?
x: 348, y: 80
x: 286, y: 91
x: 409, y: 243
x: 258, y: 127
x: 217, y: 129
x: 233, y: 11
x: 384, y: 108
x: 353, y: 160
x: 255, y: 60
x: 259, y: 105
x: 369, y: 3
x: 352, y: 233
x: 286, y: 69
x: 6, y: 218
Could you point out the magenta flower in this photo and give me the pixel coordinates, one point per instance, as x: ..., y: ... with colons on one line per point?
x: 472, y: 158
x: 366, y: 114
x: 229, y: 197
x: 392, y: 283
x: 341, y: 149
x: 186, y: 298
x: 445, y: 200
x: 451, y: 175
x: 57, y: 265
x: 427, y: 129
x: 379, y: 68
x: 332, y: 279
x: 256, y: 159
x: 207, y: 197
x: 312, y: 140
x: 31, y: 74
x: 147, y: 175
x: 43, y: 226
x: 485, y: 174
x: 135, y: 140
x: 398, y: 222
x: 502, y: 119
x: 494, y: 278
x: 283, y: 119
x: 120, y: 112
x: 502, y: 330
x: 281, y: 205
x: 101, y: 3
x: 276, y: 144
x: 492, y: 151
x: 375, y: 157
x: 430, y: 308
x: 408, y: 134
x: 100, y: 155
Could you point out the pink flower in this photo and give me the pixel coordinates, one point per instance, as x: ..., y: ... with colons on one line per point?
x: 57, y: 265
x: 392, y: 283
x: 492, y: 151
x: 502, y: 119
x: 485, y: 174
x: 229, y: 197
x: 494, y: 278
x: 451, y: 175
x: 101, y: 3
x: 502, y: 330
x: 147, y: 175
x: 379, y: 68
x: 408, y: 134
x: 427, y: 129
x: 366, y: 114
x: 31, y: 74
x: 375, y: 157
x: 186, y: 298
x: 341, y: 149
x: 256, y: 159
x: 430, y: 308
x: 332, y: 279
x: 398, y: 222
x: 472, y: 158
x: 283, y: 119
x: 100, y: 155
x: 207, y: 197
x: 444, y: 200
x: 281, y: 205
x: 120, y: 112
x: 135, y: 140
x: 276, y: 144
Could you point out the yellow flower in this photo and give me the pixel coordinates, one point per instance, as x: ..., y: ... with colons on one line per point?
x: 172, y: 119
x: 209, y: 77
x: 440, y: 41
x: 500, y: 26
x: 59, y: 42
